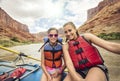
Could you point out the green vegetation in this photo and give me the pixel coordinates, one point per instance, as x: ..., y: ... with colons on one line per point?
x: 8, y: 43
x: 15, y: 39
x: 110, y: 36
x: 13, y: 42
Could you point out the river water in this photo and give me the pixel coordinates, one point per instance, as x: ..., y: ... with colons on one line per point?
x: 30, y: 50
x: 112, y: 61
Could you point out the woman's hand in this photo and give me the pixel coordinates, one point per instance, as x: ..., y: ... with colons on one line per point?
x: 49, y: 78
x: 56, y: 74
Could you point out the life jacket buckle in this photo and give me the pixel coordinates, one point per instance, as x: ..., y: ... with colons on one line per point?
x: 76, y: 43
x: 53, y: 65
x: 79, y: 51
x: 83, y: 61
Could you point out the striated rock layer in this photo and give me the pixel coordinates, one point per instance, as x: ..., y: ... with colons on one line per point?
x: 106, y: 20
x: 11, y: 28
x: 92, y: 12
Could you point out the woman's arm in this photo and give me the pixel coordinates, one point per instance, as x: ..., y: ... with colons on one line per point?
x: 69, y: 63
x: 43, y: 64
x: 110, y: 46
x: 64, y: 65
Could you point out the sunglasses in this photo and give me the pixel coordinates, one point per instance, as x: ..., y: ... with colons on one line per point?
x: 51, y: 35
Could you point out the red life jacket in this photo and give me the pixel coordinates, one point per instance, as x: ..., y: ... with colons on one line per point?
x: 83, y: 53
x: 53, y: 55
x: 3, y: 76
x: 18, y: 72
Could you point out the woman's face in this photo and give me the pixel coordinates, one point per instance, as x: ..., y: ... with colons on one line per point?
x: 53, y: 36
x: 70, y: 32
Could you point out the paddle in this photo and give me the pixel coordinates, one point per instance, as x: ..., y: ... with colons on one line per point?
x: 18, y: 53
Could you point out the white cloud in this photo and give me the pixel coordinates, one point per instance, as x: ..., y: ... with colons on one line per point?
x: 39, y: 15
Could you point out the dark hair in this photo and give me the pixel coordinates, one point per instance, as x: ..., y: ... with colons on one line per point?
x: 52, y: 29
x: 73, y: 25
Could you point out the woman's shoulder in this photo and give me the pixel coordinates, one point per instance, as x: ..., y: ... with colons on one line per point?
x: 87, y: 36
x: 65, y: 44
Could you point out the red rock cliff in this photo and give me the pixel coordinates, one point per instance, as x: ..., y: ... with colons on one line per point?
x: 106, y: 20
x: 92, y: 12
x: 11, y: 28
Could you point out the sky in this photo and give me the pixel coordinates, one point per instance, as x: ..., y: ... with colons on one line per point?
x: 40, y: 15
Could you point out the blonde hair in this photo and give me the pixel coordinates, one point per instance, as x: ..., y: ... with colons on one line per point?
x: 70, y: 23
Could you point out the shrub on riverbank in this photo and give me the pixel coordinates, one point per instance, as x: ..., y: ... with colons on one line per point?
x: 110, y: 36
x: 8, y: 43
x: 15, y: 39
x: 12, y: 42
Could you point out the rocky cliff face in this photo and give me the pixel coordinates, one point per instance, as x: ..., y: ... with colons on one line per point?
x: 104, y: 19
x: 92, y: 12
x: 11, y: 28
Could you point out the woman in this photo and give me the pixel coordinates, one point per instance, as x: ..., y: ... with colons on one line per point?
x: 51, y: 57
x: 82, y: 59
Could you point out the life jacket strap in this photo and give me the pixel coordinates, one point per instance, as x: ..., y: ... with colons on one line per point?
x: 83, y: 61
x: 57, y: 59
x: 79, y: 51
